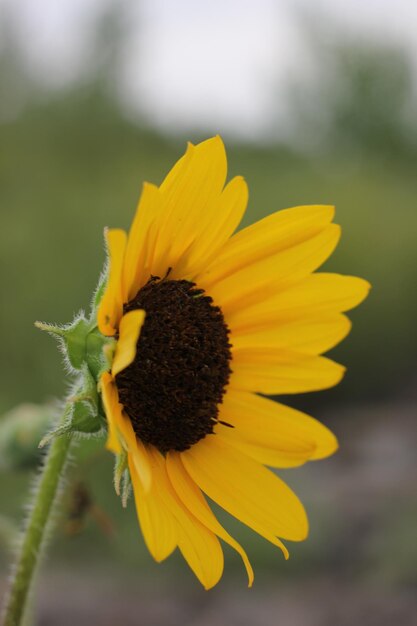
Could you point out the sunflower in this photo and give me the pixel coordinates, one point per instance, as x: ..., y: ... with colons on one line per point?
x: 206, y: 324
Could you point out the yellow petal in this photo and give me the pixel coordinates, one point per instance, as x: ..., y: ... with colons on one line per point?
x: 110, y: 400
x: 199, y: 545
x: 275, y: 233
x: 313, y: 296
x: 311, y: 336
x: 274, y: 372
x: 193, y: 499
x: 272, y: 433
x: 188, y: 201
x: 178, y: 171
x: 246, y: 489
x: 129, y: 331
x: 141, y: 241
x: 262, y: 454
x: 156, y: 521
x: 272, y: 274
x: 121, y: 430
x: 111, y: 306
x: 220, y: 223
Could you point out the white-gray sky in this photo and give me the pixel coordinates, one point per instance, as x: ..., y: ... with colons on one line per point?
x: 215, y: 63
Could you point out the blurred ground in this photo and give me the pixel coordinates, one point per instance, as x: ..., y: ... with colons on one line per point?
x: 320, y: 602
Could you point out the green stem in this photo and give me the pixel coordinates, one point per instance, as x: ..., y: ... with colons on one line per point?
x: 36, y: 529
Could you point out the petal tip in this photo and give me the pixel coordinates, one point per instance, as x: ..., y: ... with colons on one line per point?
x: 213, y: 143
x: 367, y: 287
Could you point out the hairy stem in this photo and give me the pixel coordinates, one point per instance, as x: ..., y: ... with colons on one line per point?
x: 36, y: 529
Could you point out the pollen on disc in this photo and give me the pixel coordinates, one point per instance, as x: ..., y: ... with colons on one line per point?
x: 172, y: 390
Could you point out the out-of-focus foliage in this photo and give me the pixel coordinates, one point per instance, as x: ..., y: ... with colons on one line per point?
x: 371, y: 100
x: 360, y: 97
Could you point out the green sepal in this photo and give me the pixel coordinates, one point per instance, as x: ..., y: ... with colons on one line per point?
x: 126, y: 488
x: 83, y: 412
x: 120, y: 466
x: 80, y: 419
x: 63, y: 429
x: 99, y: 351
x: 86, y: 408
x: 86, y: 390
x: 75, y: 338
x: 72, y: 337
x: 57, y: 432
x: 83, y: 343
x: 88, y: 353
x: 99, y: 292
x: 83, y: 420
x: 122, y: 480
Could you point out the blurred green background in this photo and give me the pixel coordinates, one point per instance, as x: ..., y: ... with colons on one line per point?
x: 72, y: 160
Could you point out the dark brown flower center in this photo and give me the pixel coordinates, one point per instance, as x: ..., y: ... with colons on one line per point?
x: 172, y: 389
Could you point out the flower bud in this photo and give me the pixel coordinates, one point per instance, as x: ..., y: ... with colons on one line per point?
x: 21, y: 430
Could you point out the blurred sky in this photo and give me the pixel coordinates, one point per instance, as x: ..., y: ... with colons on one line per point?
x: 218, y: 64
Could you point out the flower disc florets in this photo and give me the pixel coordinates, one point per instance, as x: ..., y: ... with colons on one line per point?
x: 172, y: 389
